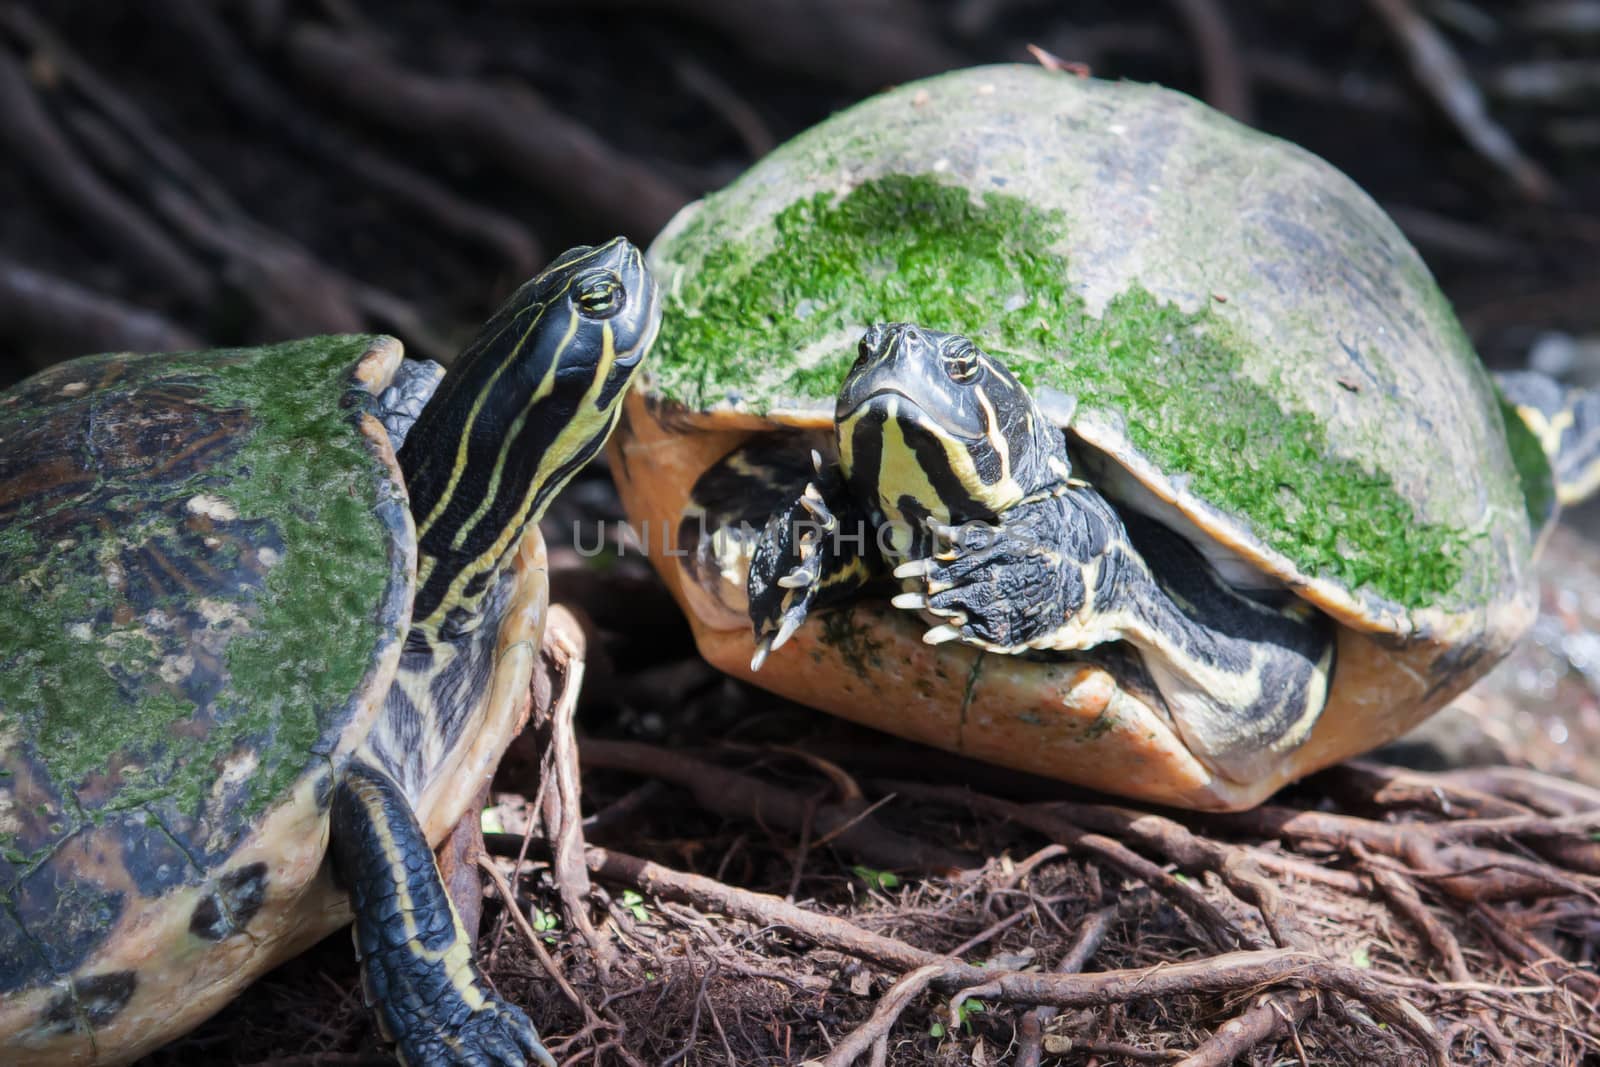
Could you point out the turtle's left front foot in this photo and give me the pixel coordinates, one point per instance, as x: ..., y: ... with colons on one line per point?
x: 417, y: 965
x: 452, y: 1033
x: 991, y: 586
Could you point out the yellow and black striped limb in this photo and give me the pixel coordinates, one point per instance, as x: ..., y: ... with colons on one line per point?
x: 417, y: 966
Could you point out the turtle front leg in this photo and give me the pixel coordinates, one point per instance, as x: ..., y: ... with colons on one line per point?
x: 1242, y: 679
x: 1015, y: 584
x: 817, y: 551
x: 418, y: 969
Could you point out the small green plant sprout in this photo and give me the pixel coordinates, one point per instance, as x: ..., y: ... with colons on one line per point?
x: 635, y: 904
x: 883, y: 881
x: 968, y: 1008
x: 546, y: 922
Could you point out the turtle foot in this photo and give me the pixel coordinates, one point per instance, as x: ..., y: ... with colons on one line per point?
x: 786, y: 571
x: 495, y: 1034
x: 418, y: 971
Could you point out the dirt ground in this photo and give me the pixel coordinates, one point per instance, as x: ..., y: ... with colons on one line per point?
x: 764, y: 885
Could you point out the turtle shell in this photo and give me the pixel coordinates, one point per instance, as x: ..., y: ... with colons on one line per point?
x: 206, y: 568
x: 1254, y: 351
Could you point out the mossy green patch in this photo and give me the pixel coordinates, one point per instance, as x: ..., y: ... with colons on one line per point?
x: 1103, y: 724
x: 98, y: 664
x: 780, y: 327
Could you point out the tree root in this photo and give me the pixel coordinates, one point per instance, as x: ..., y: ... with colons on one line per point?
x: 1030, y: 1029
x: 1456, y: 845
x: 30, y: 137
x: 66, y: 317
x: 1440, y: 70
x: 248, y: 87
x: 1187, y: 898
x: 1275, y: 1015
x: 1224, y: 973
x: 740, y: 796
x: 506, y: 125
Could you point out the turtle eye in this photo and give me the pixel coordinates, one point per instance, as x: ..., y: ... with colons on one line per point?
x: 600, y: 293
x: 961, y: 362
x: 870, y: 343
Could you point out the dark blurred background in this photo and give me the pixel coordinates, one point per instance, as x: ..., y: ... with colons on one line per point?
x: 184, y: 172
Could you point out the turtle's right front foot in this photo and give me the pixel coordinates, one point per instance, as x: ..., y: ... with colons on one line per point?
x: 786, y: 570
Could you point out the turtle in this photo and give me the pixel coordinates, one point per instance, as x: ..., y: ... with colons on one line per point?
x: 1180, y: 478
x: 267, y: 622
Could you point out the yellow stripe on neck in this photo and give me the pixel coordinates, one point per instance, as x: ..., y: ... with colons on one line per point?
x: 587, y: 422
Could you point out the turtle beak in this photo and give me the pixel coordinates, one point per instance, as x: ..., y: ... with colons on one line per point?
x: 891, y: 357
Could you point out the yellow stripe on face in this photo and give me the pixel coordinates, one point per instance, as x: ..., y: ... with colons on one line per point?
x: 535, y: 320
x: 1006, y: 492
x: 900, y: 474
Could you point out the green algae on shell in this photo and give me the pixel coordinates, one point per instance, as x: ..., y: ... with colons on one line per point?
x: 1226, y: 307
x: 200, y: 564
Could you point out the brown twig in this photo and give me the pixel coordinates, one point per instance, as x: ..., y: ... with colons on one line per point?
x: 1176, y: 843
x: 561, y: 662
x: 1528, y: 789
x: 1228, y: 972
x: 891, y: 1006
x: 1186, y: 898
x: 1404, y: 898
x: 1468, y: 872
x: 530, y: 935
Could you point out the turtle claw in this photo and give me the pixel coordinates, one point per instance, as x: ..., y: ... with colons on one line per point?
x: 941, y: 634
x: 910, y: 601
x: 791, y: 622
x: 916, y: 568
x: 769, y: 643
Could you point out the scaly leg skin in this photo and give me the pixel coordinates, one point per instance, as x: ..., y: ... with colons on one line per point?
x: 1007, y: 587
x: 417, y: 965
x: 1242, y: 679
x: 815, y: 552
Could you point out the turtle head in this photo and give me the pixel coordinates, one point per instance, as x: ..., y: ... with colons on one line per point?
x: 929, y: 416
x: 527, y: 403
x: 570, y: 342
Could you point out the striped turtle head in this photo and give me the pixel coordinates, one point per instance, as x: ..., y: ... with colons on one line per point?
x: 931, y: 426
x: 525, y: 406
x: 553, y: 364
